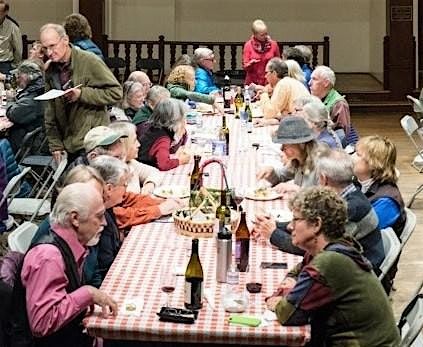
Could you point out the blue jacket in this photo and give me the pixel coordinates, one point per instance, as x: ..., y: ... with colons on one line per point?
x: 89, y: 46
x: 204, y: 82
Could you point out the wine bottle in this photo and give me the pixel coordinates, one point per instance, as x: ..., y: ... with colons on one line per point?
x: 249, y: 113
x: 227, y: 93
x: 223, y: 212
x: 195, y: 180
x: 224, y: 134
x: 194, y: 280
x: 239, y: 101
x: 242, y: 244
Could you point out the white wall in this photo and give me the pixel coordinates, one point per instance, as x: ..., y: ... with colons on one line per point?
x: 354, y: 26
x: 377, y: 24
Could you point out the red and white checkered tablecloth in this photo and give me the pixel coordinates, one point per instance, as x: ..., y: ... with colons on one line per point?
x: 135, y: 272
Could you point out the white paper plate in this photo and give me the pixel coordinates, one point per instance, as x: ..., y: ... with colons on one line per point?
x: 172, y: 192
x: 262, y: 194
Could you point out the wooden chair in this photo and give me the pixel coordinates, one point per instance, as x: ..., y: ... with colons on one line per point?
x: 153, y: 67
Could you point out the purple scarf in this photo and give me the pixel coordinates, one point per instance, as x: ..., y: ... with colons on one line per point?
x: 261, y: 47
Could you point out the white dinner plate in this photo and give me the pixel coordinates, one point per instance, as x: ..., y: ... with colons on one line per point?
x: 172, y: 192
x: 262, y: 194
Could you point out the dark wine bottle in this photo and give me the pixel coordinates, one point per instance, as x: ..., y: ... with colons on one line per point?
x: 242, y: 244
x: 195, y: 181
x: 194, y: 280
x: 249, y: 113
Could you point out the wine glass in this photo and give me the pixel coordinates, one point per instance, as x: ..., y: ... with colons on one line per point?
x: 167, y: 281
x: 239, y: 195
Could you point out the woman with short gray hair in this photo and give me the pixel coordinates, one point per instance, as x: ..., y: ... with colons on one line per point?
x: 165, y: 127
x: 154, y: 95
x: 317, y: 116
x: 204, y: 61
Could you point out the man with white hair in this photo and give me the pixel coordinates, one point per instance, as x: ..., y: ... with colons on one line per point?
x: 322, y: 85
x: 141, y: 77
x: 204, y: 61
x: 51, y: 280
x: 90, y: 87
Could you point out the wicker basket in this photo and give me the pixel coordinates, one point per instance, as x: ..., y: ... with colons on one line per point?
x: 192, y: 228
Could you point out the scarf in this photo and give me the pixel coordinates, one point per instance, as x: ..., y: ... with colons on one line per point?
x: 261, y: 47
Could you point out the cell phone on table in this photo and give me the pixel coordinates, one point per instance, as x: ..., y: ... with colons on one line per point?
x: 273, y: 265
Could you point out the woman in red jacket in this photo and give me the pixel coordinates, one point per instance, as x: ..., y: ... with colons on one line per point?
x: 258, y: 50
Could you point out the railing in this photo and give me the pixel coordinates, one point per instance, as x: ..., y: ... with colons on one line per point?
x: 228, y: 54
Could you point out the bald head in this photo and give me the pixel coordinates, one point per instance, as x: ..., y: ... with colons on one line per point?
x: 141, y: 77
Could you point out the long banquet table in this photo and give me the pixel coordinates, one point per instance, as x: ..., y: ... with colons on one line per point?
x: 135, y: 272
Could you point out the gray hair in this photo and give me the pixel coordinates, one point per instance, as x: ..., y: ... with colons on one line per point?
x: 304, y: 100
x: 111, y: 169
x: 157, y: 93
x: 279, y: 66
x: 31, y: 69
x: 168, y: 114
x: 139, y: 76
x: 294, y: 70
x: 59, y: 29
x: 201, y: 53
x: 75, y: 197
x: 337, y: 165
x: 326, y: 73
x: 129, y: 89
x: 306, y: 52
x: 316, y: 112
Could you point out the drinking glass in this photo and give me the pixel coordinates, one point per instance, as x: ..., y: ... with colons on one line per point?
x: 239, y: 195
x: 167, y: 281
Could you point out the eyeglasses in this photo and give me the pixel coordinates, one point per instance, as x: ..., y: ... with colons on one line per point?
x: 268, y: 71
x: 147, y: 84
x: 52, y: 46
x: 210, y: 59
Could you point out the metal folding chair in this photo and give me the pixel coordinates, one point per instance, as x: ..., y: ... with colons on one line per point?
x: 39, y: 205
x: 413, y: 132
x: 392, y: 249
x: 27, y: 144
x: 409, y: 227
x: 411, y: 323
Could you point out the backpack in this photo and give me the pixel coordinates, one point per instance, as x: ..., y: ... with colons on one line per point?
x: 16, y: 327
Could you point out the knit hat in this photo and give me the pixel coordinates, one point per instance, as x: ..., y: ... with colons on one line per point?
x: 292, y: 130
x: 100, y: 136
x: 28, y: 67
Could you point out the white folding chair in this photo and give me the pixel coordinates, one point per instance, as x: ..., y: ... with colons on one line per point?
x: 409, y: 227
x: 411, y: 323
x: 392, y: 249
x: 39, y: 205
x: 19, y: 239
x: 412, y: 130
x: 417, y: 104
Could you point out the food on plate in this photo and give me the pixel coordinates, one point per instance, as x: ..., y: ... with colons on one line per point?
x: 130, y: 307
x: 262, y: 192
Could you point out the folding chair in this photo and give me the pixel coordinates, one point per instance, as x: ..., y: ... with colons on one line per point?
x: 417, y: 104
x: 27, y: 144
x: 392, y: 249
x: 39, y: 205
x: 412, y: 130
x: 409, y: 227
x: 411, y: 323
x: 19, y: 239
x: 150, y: 64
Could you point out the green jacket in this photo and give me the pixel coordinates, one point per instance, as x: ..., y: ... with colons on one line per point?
x: 142, y: 115
x: 178, y: 91
x: 67, y: 123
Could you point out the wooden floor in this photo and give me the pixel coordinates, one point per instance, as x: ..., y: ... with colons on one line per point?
x: 351, y: 82
x: 410, y: 272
